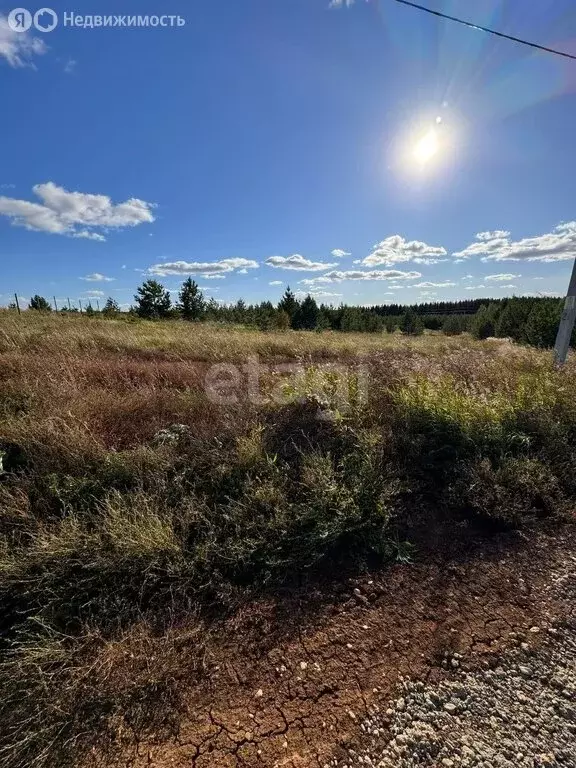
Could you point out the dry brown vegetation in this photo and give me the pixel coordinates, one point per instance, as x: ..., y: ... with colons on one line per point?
x: 126, y: 539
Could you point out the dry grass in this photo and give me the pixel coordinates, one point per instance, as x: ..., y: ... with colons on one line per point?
x: 116, y: 527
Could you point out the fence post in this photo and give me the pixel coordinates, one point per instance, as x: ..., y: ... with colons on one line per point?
x: 17, y: 303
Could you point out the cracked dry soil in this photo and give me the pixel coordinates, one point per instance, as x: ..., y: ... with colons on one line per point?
x: 457, y: 661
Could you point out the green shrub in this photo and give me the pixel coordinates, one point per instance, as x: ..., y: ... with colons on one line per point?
x: 411, y: 324
x: 542, y: 324
x: 453, y: 325
x: 484, y: 322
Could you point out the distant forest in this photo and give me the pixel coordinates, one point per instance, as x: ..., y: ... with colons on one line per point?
x: 527, y: 320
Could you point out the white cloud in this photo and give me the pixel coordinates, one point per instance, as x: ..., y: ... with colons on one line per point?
x: 317, y: 293
x: 428, y: 262
x: 19, y: 48
x: 475, y: 287
x: 62, y: 212
x: 427, y: 294
x: 502, y: 277
x: 558, y: 245
x: 338, y: 253
x: 341, y: 3
x: 96, y: 277
x: 375, y: 274
x: 276, y: 282
x: 395, y: 250
x: 297, y: 262
x: 496, y: 234
x: 435, y: 285
x: 208, y: 269
x: 90, y: 235
x: 94, y: 294
x: 504, y: 287
x: 70, y: 66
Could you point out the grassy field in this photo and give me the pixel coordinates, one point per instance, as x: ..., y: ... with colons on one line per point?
x: 158, y: 476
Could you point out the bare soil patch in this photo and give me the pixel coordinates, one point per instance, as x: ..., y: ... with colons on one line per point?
x: 290, y: 681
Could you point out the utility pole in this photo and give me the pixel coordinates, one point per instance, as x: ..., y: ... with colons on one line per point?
x: 567, y: 322
x: 17, y: 303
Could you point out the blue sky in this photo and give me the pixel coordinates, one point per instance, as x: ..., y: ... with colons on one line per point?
x: 268, y: 142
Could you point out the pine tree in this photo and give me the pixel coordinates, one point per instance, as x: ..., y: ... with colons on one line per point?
x: 542, y: 324
x: 111, y: 307
x: 40, y: 304
x: 281, y: 320
x: 239, y: 312
x: 351, y: 320
x: 453, y: 325
x: 512, y: 320
x: 374, y: 323
x: 411, y: 324
x: 307, y: 315
x: 191, y: 303
x: 152, y: 300
x: 289, y: 304
x: 484, y: 322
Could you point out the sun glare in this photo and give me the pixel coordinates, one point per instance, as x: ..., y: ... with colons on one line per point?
x: 426, y: 147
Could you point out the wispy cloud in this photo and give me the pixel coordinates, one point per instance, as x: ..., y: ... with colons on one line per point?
x: 558, y: 245
x: 435, y: 285
x: 341, y: 3
x: 502, y: 277
x: 96, y: 277
x: 74, y: 214
x: 208, y: 269
x: 19, y: 48
x: 396, y: 250
x: 298, y: 263
x: 317, y: 293
x: 375, y: 274
x: 338, y: 253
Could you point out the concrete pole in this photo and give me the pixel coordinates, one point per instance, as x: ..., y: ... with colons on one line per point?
x: 567, y: 322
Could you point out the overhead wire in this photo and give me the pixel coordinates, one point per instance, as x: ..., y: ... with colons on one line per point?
x: 487, y: 29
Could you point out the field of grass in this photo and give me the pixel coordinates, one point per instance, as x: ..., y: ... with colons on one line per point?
x: 153, y: 484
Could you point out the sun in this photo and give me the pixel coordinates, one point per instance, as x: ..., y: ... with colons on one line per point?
x: 426, y: 147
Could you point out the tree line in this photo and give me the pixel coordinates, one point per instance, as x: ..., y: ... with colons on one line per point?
x: 527, y: 320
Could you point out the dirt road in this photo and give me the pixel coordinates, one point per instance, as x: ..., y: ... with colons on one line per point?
x: 460, y: 660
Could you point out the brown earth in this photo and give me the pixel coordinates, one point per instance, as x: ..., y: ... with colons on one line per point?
x: 289, y: 681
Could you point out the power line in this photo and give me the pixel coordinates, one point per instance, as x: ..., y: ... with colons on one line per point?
x: 486, y: 29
